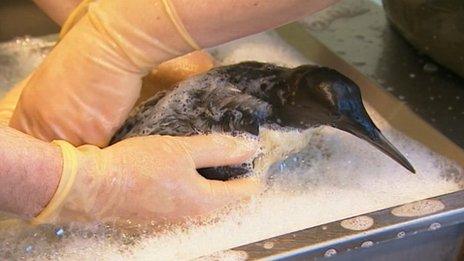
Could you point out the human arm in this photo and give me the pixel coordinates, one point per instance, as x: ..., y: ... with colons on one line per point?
x: 142, y: 179
x: 57, y: 10
x: 148, y: 178
x: 30, y: 170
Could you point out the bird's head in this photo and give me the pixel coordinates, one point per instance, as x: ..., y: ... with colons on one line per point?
x: 321, y: 96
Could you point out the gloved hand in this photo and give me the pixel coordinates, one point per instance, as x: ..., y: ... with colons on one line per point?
x: 161, y: 78
x: 87, y: 85
x: 150, y: 178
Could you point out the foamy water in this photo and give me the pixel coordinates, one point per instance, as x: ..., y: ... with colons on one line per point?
x: 328, y: 175
x: 18, y: 58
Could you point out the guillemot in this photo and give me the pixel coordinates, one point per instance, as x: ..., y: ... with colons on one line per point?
x: 241, y: 97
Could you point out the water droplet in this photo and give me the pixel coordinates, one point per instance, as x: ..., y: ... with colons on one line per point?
x: 432, y: 98
x: 29, y: 248
x: 268, y: 245
x: 282, y: 166
x: 401, y: 234
x: 330, y: 252
x: 430, y: 68
x: 367, y: 244
x: 59, y: 232
x: 434, y: 226
x: 450, y: 108
x: 412, y: 75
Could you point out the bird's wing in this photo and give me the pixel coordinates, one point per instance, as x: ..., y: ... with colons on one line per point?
x: 230, y: 110
x: 135, y: 116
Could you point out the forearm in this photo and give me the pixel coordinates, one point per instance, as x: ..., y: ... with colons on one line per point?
x: 58, y: 10
x: 213, y: 22
x: 141, y: 29
x: 29, y: 173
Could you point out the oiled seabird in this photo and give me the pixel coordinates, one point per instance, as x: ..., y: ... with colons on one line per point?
x: 239, y: 98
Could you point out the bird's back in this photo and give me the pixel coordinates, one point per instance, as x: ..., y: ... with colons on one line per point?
x: 217, y: 101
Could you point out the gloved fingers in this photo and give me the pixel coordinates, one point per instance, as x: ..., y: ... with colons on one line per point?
x: 218, y: 149
x: 235, y: 189
x: 223, y: 193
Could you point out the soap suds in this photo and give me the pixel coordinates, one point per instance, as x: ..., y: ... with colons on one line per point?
x: 358, y: 223
x: 419, y: 208
x: 332, y: 176
x: 19, y: 57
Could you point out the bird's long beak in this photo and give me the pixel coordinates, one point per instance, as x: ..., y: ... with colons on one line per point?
x: 370, y: 133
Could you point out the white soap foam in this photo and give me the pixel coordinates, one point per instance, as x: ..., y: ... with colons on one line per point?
x: 19, y: 57
x: 334, y: 177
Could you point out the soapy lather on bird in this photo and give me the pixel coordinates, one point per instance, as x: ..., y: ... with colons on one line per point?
x: 242, y: 97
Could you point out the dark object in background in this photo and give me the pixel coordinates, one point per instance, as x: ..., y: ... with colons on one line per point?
x: 23, y: 17
x: 244, y: 96
x: 434, y: 27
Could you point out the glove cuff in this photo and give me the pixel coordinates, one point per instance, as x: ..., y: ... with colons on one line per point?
x: 68, y: 176
x: 169, y: 8
x: 75, y: 16
x: 172, y: 13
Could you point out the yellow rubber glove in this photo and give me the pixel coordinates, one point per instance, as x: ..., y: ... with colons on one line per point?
x: 147, y: 179
x: 162, y: 78
x: 87, y: 85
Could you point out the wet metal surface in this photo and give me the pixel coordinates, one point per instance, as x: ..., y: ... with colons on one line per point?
x: 332, y: 239
x: 357, y: 31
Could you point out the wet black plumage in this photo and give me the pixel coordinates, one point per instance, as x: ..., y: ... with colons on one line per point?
x: 241, y: 97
